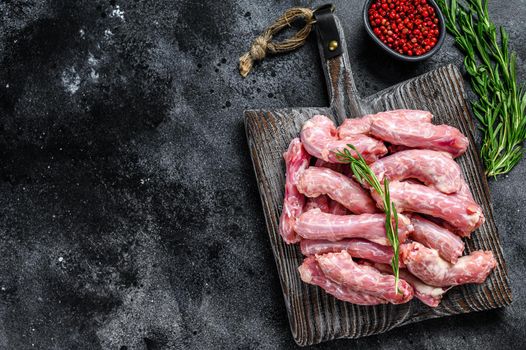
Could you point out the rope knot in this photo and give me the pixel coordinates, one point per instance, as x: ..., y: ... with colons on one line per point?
x: 258, y: 50
x: 263, y: 43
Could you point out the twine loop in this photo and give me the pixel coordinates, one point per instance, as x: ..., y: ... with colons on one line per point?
x: 263, y: 44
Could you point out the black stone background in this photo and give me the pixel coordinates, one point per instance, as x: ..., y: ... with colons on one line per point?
x: 129, y: 212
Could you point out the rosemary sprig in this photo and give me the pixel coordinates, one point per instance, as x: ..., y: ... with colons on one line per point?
x: 501, y: 105
x: 363, y: 173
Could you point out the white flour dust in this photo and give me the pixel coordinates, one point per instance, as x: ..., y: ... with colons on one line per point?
x: 70, y: 80
x: 117, y: 12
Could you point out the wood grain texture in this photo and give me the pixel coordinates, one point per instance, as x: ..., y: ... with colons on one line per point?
x: 315, y: 316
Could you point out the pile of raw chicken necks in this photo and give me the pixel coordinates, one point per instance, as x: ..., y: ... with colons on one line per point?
x: 339, y: 223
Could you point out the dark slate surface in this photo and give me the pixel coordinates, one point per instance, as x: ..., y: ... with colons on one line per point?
x: 129, y: 212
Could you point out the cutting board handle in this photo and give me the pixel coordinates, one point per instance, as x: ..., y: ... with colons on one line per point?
x: 343, y: 96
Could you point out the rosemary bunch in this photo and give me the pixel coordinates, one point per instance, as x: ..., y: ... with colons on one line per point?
x: 501, y: 106
x: 363, y: 173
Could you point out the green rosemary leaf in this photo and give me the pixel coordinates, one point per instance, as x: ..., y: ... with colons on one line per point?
x: 453, y: 10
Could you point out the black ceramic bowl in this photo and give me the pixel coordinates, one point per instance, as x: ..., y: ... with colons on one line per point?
x: 440, y: 41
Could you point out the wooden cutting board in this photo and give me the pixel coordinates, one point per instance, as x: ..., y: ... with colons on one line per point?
x: 315, y: 316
